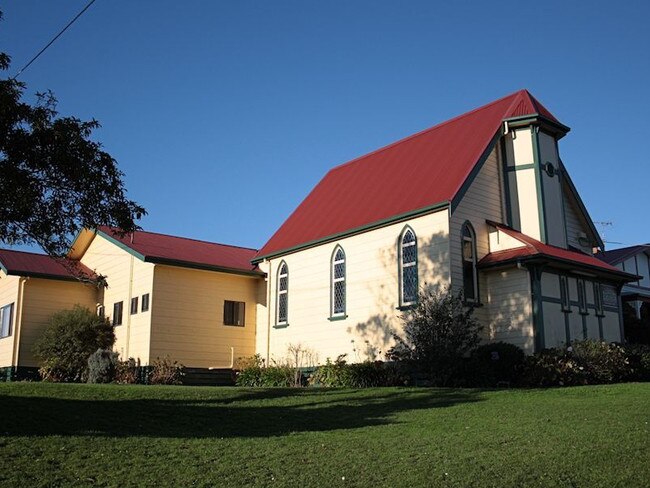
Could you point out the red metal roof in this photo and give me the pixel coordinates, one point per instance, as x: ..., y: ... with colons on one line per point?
x: 21, y: 263
x: 532, y: 248
x: 154, y: 247
x: 423, y: 170
x: 616, y: 256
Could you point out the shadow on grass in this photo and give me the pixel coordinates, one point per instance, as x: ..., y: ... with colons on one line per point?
x: 263, y: 413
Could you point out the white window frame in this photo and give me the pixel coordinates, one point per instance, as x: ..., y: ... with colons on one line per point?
x: 282, y: 292
x: 409, y: 264
x: 334, y: 280
x: 4, y: 311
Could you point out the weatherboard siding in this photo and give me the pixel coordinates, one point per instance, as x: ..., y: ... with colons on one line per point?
x: 127, y: 277
x: 372, y: 296
x: 42, y: 298
x: 509, y: 306
x: 9, y: 288
x: 481, y: 201
x: 187, y: 320
x: 574, y: 224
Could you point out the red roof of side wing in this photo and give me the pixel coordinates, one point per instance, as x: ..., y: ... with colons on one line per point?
x: 181, y: 251
x: 416, y: 173
x: 20, y: 263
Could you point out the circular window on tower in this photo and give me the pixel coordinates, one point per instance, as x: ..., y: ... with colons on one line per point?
x: 550, y: 169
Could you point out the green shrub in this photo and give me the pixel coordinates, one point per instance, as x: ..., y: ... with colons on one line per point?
x: 639, y: 357
x: 70, y: 337
x: 495, y: 363
x: 127, y: 372
x: 252, y: 373
x: 552, y: 367
x: 438, y: 333
x: 340, y: 374
x: 164, y: 371
x: 249, y: 371
x: 101, y: 366
x: 280, y: 376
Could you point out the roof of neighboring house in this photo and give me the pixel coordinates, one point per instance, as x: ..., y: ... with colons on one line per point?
x: 411, y: 176
x: 617, y: 256
x: 181, y: 251
x: 532, y: 248
x: 21, y: 263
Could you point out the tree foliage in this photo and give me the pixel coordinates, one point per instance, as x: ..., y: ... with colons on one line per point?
x: 68, y: 341
x: 437, y: 333
x: 54, y: 179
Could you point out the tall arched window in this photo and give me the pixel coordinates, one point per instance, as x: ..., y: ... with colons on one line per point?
x: 470, y: 276
x: 337, y: 286
x: 283, y: 294
x: 408, y: 272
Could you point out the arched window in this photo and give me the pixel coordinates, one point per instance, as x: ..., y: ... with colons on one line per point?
x: 337, y: 285
x: 283, y: 294
x: 470, y: 277
x: 408, y: 272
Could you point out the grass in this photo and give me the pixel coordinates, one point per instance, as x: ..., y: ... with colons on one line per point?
x: 109, y: 435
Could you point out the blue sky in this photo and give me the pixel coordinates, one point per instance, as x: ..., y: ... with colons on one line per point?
x: 224, y: 115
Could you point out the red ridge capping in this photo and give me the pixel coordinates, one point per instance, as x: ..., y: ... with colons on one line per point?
x: 414, y: 173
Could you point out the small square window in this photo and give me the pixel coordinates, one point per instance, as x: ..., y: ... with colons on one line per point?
x: 117, y: 313
x: 145, y: 302
x: 234, y: 313
x: 134, y: 305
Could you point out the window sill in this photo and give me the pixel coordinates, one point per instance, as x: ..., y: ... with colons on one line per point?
x: 337, y: 317
x: 404, y: 308
x: 281, y: 326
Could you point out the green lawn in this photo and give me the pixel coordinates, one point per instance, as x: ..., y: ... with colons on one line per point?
x: 108, y: 435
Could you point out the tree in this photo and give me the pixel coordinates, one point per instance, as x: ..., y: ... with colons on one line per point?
x: 54, y: 180
x: 438, y: 332
x: 67, y: 342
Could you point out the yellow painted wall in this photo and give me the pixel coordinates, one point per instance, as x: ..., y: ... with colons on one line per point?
x: 187, y: 316
x: 127, y: 277
x: 372, y: 294
x: 9, y: 286
x: 43, y: 298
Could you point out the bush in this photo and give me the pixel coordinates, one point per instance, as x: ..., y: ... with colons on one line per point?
x: 101, y: 366
x: 252, y: 373
x: 339, y: 374
x: 68, y: 340
x: 639, y: 358
x: 495, y: 363
x: 438, y: 333
x: 164, y: 371
x: 128, y: 372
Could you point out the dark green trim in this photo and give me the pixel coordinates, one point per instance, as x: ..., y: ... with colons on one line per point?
x: 539, y: 120
x: 560, y: 176
x: 585, y: 333
x: 204, y: 267
x: 539, y: 184
x: 280, y: 326
x: 506, y: 181
x: 567, y: 327
x: 337, y: 317
x: 475, y: 170
x: 400, y: 277
x: 357, y: 230
x: 345, y: 280
x: 121, y: 245
x: 404, y: 308
x: 538, y: 310
x: 620, y: 313
x: 600, y: 327
x: 557, y: 301
x: 581, y: 205
x: 521, y: 167
x: 45, y: 276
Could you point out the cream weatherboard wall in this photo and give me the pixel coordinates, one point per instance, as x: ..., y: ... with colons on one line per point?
x: 9, y: 293
x: 38, y: 300
x: 482, y: 200
x: 576, y: 227
x: 42, y: 298
x: 187, y: 318
x: 127, y: 277
x: 372, y: 296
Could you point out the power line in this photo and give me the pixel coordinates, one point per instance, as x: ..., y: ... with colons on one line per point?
x: 54, y: 39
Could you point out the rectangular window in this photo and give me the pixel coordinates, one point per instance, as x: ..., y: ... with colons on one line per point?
x: 117, y: 313
x: 6, y: 316
x: 582, y: 297
x: 145, y: 302
x: 234, y: 313
x: 598, y: 298
x: 564, y: 294
x: 134, y: 305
